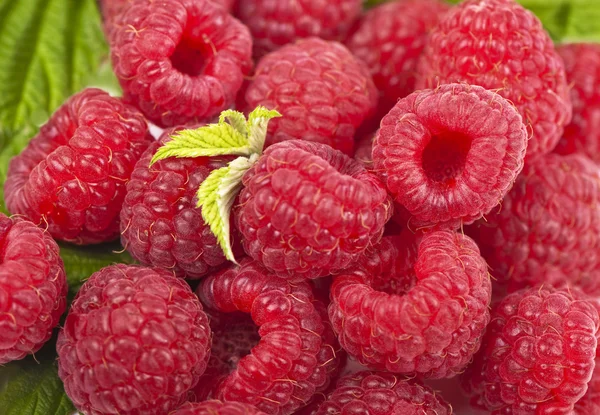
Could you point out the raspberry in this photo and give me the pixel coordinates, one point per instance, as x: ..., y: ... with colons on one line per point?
x: 364, y: 151
x: 430, y: 326
x: 537, y: 356
x: 390, y: 39
x: 503, y: 47
x: 582, y: 64
x: 134, y: 342
x: 217, y: 408
x: 285, y: 369
x: 307, y: 210
x: 71, y: 177
x: 547, y: 228
x: 322, y: 90
x: 275, y: 24
x: 160, y: 223
x: 180, y: 61
x: 375, y: 393
x: 450, y: 155
x: 33, y: 288
x: 590, y: 403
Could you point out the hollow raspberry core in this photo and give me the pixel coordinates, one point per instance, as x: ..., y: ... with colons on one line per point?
x: 234, y: 337
x: 445, y: 156
x: 190, y: 58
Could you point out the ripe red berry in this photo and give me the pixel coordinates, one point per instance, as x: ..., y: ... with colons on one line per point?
x: 503, y: 47
x: 287, y: 366
x: 590, y: 403
x: 323, y: 92
x: 547, y: 227
x: 160, y: 223
x: 275, y: 24
x: 390, y: 39
x: 537, y: 356
x: 429, y: 323
x: 375, y: 393
x: 214, y: 407
x: 71, y: 177
x: 307, y: 210
x: 180, y: 61
x: 33, y: 288
x: 582, y: 64
x: 135, y: 341
x: 449, y: 155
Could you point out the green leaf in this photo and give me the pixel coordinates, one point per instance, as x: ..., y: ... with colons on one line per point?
x: 216, y: 196
x: 29, y: 388
x: 83, y: 261
x: 208, y: 141
x: 258, y: 121
x: 236, y: 119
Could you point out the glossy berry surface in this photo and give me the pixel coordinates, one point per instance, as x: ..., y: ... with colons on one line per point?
x: 306, y: 210
x: 33, y: 288
x: 547, y: 228
x: 503, y: 47
x: 449, y: 155
x: 160, y: 223
x: 323, y: 92
x: 71, y: 177
x: 180, y: 61
x: 214, y: 407
x: 429, y: 323
x: 374, y: 393
x: 135, y: 341
x: 291, y: 331
x: 537, y: 356
x: 275, y: 24
x: 582, y: 64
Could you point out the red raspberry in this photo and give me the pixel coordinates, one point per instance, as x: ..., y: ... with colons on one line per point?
x: 180, y: 61
x: 322, y: 90
x: 285, y: 369
x: 307, y: 210
x: 450, y: 155
x: 582, y: 64
x: 547, y: 228
x: 503, y: 47
x: 378, y: 393
x: 161, y: 225
x: 135, y: 341
x: 217, y: 408
x: 537, y: 356
x: 430, y: 326
x: 275, y: 24
x: 364, y: 151
x: 590, y: 403
x: 33, y: 288
x: 71, y: 177
x: 390, y: 39
x: 112, y: 8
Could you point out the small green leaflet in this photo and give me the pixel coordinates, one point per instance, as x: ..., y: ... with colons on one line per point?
x: 232, y: 135
x: 29, y: 388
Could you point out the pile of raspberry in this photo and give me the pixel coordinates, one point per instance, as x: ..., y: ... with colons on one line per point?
x: 419, y: 235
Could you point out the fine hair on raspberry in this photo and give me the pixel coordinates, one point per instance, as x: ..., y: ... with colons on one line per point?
x: 307, y: 210
x: 449, y: 155
x: 429, y: 327
x: 71, y: 177
x: 33, y: 288
x: 135, y: 341
x: 180, y: 61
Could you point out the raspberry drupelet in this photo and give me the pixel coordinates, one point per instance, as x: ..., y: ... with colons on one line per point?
x: 180, y: 61
x: 71, y: 177
x: 214, y: 407
x: 307, y: 210
x: 135, y: 341
x: 323, y: 92
x: 548, y: 226
x: 503, y: 47
x: 33, y: 288
x: 275, y: 24
x: 293, y: 359
x: 160, y: 223
x: 537, y: 356
x: 375, y: 393
x: 449, y: 155
x: 428, y: 322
